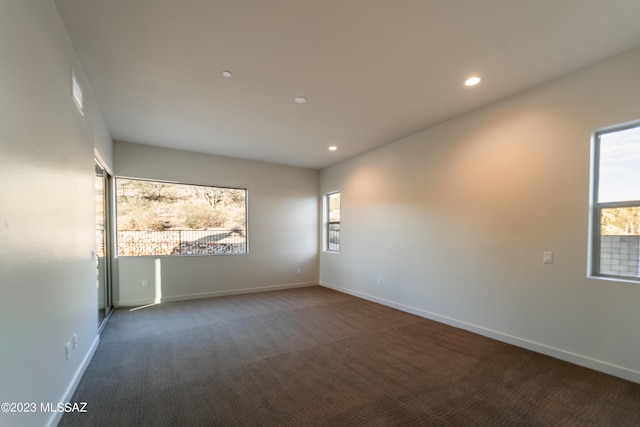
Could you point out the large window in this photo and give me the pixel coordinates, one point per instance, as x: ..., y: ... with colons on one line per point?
x: 159, y: 218
x: 332, y: 203
x: 616, y: 203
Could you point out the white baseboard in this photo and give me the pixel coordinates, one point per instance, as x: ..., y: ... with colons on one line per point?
x: 73, y: 385
x: 567, y: 356
x: 185, y: 297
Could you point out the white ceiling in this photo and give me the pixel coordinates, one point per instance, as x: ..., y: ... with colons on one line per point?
x: 373, y: 70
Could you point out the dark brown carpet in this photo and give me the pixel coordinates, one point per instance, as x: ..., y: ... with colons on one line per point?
x: 316, y: 357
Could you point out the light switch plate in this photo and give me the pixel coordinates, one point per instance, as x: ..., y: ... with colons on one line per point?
x: 547, y: 257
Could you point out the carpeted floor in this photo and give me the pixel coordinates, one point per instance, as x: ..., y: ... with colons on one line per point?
x: 316, y: 357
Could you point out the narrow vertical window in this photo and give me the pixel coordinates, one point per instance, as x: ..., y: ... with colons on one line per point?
x: 333, y: 222
x: 616, y: 203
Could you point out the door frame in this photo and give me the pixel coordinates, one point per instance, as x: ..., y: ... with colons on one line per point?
x: 108, y: 244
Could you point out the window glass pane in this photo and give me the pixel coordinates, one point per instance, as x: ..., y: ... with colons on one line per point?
x: 620, y: 241
x: 333, y: 243
x: 334, y: 207
x: 619, y: 166
x: 159, y: 218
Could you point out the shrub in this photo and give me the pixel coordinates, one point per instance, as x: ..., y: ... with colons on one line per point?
x: 197, y: 216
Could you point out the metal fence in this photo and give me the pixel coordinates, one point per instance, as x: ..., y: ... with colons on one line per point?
x: 333, y: 241
x: 181, y: 242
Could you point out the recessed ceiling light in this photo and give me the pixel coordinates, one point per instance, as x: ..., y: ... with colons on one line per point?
x: 333, y: 148
x: 227, y: 73
x: 472, y: 81
x: 300, y: 99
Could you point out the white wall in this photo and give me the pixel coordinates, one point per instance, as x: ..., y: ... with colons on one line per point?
x: 47, y: 211
x: 454, y: 221
x: 282, y: 227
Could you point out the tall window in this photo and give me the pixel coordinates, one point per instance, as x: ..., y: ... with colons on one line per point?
x: 332, y: 202
x: 616, y: 203
x: 159, y: 218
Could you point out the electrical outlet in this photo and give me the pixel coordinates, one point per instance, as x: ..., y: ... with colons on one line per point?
x: 67, y: 350
x: 379, y: 282
x: 145, y: 283
x: 75, y: 341
x: 299, y: 271
x: 547, y: 257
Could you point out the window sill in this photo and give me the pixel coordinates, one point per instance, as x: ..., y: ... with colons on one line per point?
x: 615, y: 279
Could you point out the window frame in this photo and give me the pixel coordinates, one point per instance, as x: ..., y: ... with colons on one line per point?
x: 160, y: 181
x: 596, y: 207
x: 329, y: 223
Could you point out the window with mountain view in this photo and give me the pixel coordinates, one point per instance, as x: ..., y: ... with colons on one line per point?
x: 158, y: 218
x: 616, y: 203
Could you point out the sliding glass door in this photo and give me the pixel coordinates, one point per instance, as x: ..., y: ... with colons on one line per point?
x: 103, y: 244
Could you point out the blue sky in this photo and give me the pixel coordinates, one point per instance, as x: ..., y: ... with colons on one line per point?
x: 619, y: 166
